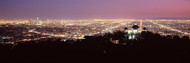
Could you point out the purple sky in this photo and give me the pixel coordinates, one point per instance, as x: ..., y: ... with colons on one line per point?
x: 94, y: 8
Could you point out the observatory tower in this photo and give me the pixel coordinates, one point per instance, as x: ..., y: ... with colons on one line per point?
x: 134, y: 32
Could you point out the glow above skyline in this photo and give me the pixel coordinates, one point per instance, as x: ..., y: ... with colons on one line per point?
x: 94, y: 8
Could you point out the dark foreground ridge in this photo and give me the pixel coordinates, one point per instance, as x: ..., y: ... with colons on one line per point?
x: 111, y: 47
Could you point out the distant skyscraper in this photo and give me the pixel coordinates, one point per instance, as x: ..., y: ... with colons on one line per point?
x: 37, y: 18
x: 141, y: 25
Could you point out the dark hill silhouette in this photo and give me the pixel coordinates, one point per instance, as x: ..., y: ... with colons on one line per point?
x: 149, y: 48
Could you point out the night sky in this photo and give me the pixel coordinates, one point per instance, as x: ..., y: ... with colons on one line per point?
x: 94, y: 8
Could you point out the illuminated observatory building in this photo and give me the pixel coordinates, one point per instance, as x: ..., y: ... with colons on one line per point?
x: 134, y: 32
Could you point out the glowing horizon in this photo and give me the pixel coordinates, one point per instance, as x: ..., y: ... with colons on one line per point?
x: 94, y: 8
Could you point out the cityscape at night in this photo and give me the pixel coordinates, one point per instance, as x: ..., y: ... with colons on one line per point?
x: 36, y: 29
x: 102, y: 31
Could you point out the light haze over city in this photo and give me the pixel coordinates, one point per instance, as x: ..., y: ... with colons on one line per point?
x: 84, y: 9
